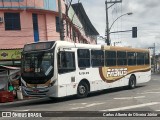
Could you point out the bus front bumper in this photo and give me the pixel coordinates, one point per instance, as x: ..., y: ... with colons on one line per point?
x: 38, y: 92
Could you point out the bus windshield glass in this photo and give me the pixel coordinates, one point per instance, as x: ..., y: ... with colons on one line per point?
x: 37, y: 67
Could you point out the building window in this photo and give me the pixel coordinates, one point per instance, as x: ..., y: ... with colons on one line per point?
x: 57, y: 25
x: 12, y: 21
x: 67, y: 26
x: 74, y: 36
x: 35, y: 27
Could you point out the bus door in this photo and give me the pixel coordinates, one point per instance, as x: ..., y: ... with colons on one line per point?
x: 66, y: 71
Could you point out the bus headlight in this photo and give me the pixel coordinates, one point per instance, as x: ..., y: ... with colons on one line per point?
x: 52, y: 83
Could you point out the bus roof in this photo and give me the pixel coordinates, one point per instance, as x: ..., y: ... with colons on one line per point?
x: 102, y: 47
x: 92, y: 46
x: 77, y: 45
x: 116, y: 48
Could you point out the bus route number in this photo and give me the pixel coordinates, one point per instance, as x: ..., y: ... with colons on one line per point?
x: 83, y: 73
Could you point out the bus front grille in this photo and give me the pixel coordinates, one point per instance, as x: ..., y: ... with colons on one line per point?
x: 35, y: 92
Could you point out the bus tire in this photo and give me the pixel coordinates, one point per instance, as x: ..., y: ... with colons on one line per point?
x: 82, y: 90
x: 132, y: 82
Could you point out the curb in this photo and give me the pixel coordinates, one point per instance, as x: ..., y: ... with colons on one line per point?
x: 19, y: 101
x: 155, y: 73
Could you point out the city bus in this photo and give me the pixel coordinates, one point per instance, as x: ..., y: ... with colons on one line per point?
x: 60, y: 68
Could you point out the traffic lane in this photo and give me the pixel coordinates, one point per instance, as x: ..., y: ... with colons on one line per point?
x: 145, y: 97
x: 110, y: 99
x: 155, y: 77
x: 104, y: 99
x: 44, y: 100
x: 105, y: 95
x: 150, y: 90
x: 125, y: 100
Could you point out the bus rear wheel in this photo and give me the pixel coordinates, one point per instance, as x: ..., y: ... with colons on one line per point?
x: 132, y: 82
x: 82, y: 90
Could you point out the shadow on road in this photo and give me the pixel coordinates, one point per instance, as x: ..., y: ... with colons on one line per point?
x: 112, y: 90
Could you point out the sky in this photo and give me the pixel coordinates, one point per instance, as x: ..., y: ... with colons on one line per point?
x: 146, y: 17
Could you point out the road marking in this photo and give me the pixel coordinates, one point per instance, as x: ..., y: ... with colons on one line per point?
x: 77, y: 108
x: 21, y: 110
x: 89, y: 105
x: 153, y: 89
x: 149, y: 93
x: 73, y: 104
x: 155, y: 79
x: 131, y: 107
x: 83, y: 103
x: 78, y: 103
x: 128, y: 98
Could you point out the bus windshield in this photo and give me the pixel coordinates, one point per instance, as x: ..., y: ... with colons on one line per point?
x: 37, y: 67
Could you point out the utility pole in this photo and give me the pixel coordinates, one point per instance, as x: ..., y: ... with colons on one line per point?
x: 154, y: 57
x: 107, y: 34
x: 107, y: 26
x: 60, y: 21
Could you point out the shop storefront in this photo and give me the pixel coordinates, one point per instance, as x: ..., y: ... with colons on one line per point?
x: 10, y: 57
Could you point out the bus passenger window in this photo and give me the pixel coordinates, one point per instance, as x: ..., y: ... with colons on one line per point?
x: 83, y: 58
x: 131, y: 58
x: 146, y: 58
x: 140, y: 58
x: 97, y: 58
x: 121, y: 58
x: 110, y: 58
x: 66, y: 62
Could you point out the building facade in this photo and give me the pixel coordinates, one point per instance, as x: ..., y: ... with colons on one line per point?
x: 26, y: 21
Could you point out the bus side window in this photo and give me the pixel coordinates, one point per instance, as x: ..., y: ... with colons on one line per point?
x: 83, y: 58
x: 131, y: 58
x: 121, y: 58
x: 66, y: 62
x: 97, y: 58
x: 110, y: 58
x: 146, y: 58
x: 140, y: 58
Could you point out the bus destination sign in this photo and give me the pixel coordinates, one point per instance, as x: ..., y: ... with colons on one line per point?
x: 38, y: 46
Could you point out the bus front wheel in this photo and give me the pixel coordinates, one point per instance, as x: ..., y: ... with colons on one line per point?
x: 132, y: 82
x: 82, y: 90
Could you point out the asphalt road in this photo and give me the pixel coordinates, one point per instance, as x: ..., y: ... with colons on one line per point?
x: 145, y: 97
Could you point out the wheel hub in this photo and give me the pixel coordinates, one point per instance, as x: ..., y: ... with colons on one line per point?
x: 132, y: 83
x: 82, y: 89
